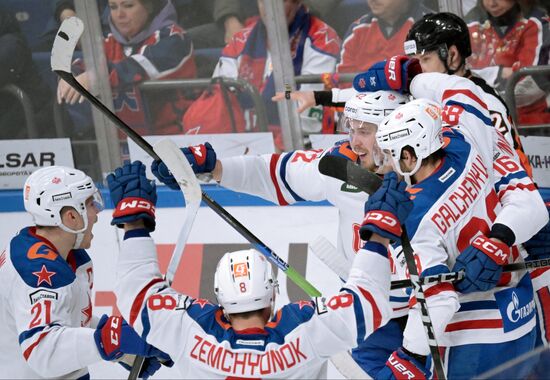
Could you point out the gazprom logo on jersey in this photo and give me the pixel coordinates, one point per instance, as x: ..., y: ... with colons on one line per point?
x: 516, y: 305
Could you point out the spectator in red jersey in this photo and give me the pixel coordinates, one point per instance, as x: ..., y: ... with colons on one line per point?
x: 314, y: 47
x: 145, y: 43
x: 379, y: 34
x: 506, y: 41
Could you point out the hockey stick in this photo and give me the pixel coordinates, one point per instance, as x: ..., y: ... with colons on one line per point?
x: 326, y: 252
x: 180, y: 168
x: 350, y: 172
x: 455, y: 276
x: 64, y: 44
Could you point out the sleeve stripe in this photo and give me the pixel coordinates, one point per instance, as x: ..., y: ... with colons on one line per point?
x: 282, y: 172
x: 138, y: 301
x: 520, y: 186
x: 472, y: 110
x: 273, y: 174
x: 29, y: 349
x: 434, y: 290
x: 376, y: 315
x: 449, y: 93
x: 359, y: 316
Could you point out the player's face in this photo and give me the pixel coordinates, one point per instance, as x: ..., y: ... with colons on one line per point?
x: 129, y: 16
x: 386, y: 9
x: 290, y: 8
x: 497, y: 8
x: 362, y: 137
x: 430, y: 62
x: 92, y: 209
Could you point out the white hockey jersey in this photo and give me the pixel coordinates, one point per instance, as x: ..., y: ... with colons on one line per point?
x: 294, y: 176
x: 294, y: 344
x: 46, y: 312
x: 478, y: 183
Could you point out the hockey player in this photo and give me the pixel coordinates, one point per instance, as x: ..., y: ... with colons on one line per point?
x: 465, y: 218
x: 238, y: 339
x: 294, y: 176
x: 46, y: 324
x: 441, y: 42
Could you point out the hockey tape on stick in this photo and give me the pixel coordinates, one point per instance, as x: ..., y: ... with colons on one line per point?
x: 180, y: 168
x: 353, y: 174
x: 327, y: 253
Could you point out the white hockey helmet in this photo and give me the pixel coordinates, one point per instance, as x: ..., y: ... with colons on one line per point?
x: 244, y: 282
x: 416, y: 124
x: 370, y: 107
x: 49, y: 189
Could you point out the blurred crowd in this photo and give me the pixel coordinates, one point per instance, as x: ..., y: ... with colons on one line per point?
x: 183, y: 39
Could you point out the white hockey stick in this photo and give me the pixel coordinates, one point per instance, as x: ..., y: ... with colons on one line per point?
x: 180, y: 168
x: 327, y: 253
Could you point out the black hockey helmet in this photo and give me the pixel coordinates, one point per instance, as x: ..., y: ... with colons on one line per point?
x: 437, y: 32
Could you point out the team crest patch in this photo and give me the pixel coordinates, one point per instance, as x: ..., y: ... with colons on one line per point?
x: 44, y: 276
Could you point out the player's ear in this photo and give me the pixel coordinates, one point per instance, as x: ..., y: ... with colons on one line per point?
x: 454, y: 58
x: 69, y: 216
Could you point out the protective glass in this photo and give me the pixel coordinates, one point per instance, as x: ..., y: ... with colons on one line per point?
x: 97, y: 201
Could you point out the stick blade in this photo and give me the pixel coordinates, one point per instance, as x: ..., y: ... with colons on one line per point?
x: 349, y: 172
x: 64, y: 44
x: 176, y: 162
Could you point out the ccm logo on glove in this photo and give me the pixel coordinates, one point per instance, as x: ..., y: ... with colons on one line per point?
x: 128, y: 206
x: 111, y: 342
x: 497, y: 251
x: 378, y: 217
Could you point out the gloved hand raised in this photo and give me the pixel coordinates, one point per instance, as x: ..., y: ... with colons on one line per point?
x: 395, y: 74
x: 202, y: 159
x: 133, y: 195
x: 114, y: 338
x: 386, y: 209
x: 403, y: 365
x: 343, y: 149
x: 482, y: 263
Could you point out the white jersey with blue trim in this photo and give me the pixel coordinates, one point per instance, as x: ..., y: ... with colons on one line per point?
x: 291, y: 177
x: 294, y: 344
x: 478, y: 183
x: 46, y: 313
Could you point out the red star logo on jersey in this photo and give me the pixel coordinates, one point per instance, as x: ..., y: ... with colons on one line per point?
x: 303, y: 304
x: 44, y: 276
x: 87, y: 311
x: 202, y: 302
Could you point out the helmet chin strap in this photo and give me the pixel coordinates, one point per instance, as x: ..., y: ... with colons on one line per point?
x: 79, y: 233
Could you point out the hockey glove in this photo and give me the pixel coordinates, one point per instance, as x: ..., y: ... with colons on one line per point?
x: 386, y: 209
x: 538, y: 247
x: 133, y: 195
x: 393, y: 74
x: 482, y: 263
x: 404, y: 365
x: 202, y: 158
x: 114, y: 338
x: 343, y: 149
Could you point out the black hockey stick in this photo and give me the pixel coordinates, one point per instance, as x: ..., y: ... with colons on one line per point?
x: 350, y: 172
x: 62, y: 52
x: 455, y: 276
